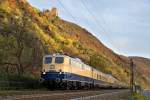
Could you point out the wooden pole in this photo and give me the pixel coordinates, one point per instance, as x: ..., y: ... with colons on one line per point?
x: 132, y: 75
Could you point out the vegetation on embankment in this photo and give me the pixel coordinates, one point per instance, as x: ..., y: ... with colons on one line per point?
x: 15, y: 82
x: 26, y: 34
x: 134, y: 96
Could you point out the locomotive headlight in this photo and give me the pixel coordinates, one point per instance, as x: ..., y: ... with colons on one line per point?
x: 44, y: 72
x: 60, y: 71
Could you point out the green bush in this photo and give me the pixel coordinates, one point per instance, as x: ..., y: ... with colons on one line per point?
x: 15, y: 82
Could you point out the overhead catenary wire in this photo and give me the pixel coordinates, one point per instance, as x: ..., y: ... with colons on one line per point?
x: 67, y: 11
x: 95, y: 20
x: 59, y: 1
x: 99, y: 25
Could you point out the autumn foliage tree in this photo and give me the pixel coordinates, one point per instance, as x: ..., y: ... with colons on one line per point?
x: 22, y: 46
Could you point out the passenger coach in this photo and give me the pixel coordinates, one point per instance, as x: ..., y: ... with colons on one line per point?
x: 61, y: 71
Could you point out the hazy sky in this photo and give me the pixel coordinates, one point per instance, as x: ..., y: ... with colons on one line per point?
x: 126, y: 22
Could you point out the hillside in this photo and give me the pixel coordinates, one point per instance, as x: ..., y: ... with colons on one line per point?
x: 26, y: 34
x: 142, y: 69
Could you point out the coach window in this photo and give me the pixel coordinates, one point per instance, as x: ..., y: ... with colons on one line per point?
x: 97, y: 76
x: 59, y: 60
x: 100, y: 76
x: 83, y: 66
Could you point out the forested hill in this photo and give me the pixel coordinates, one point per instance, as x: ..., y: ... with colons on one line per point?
x: 26, y: 34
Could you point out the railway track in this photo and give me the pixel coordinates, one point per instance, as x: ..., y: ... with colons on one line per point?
x: 57, y: 95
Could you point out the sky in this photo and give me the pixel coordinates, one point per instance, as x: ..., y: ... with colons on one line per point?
x: 121, y: 25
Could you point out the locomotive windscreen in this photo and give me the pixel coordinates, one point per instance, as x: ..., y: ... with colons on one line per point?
x: 48, y: 60
x: 59, y: 60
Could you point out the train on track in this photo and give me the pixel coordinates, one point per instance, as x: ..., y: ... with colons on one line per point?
x: 62, y: 71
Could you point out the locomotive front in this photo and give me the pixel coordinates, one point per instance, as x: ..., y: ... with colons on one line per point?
x: 53, y: 69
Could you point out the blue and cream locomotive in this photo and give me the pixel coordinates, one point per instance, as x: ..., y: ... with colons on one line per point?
x: 63, y: 71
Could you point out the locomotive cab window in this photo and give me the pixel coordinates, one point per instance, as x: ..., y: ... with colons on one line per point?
x: 48, y: 60
x: 59, y: 60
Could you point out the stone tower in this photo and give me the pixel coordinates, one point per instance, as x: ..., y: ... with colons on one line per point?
x: 53, y: 12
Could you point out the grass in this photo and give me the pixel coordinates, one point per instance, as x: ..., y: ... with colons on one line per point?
x: 134, y: 96
x: 20, y: 83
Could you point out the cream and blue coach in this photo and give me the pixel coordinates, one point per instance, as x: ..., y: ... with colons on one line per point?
x: 67, y: 72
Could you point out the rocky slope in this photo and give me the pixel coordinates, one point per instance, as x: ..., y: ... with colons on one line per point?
x: 26, y: 34
x: 142, y: 70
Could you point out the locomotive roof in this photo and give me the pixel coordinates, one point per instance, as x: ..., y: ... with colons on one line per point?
x: 56, y: 55
x: 61, y: 55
